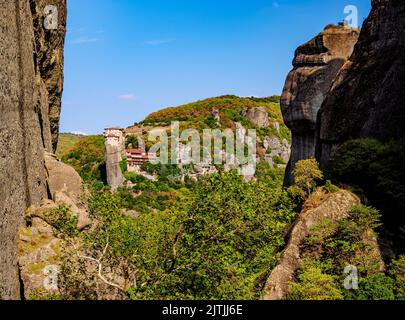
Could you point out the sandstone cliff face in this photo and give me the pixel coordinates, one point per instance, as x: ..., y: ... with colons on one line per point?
x: 49, y: 61
x: 316, y: 65
x: 368, y: 96
x: 25, y: 130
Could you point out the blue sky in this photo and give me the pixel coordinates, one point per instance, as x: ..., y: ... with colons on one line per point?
x: 127, y: 58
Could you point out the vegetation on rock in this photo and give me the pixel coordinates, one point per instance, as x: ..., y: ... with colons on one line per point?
x: 86, y: 155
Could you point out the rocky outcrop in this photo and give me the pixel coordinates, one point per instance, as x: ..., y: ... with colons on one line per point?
x: 334, y: 208
x: 114, y: 153
x: 368, y: 97
x: 40, y: 244
x: 316, y: 65
x: 62, y: 177
x: 25, y: 126
x: 38, y: 257
x: 276, y: 148
x: 49, y: 62
x: 259, y: 116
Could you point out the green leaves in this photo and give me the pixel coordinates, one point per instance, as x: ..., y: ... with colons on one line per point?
x: 232, y: 237
x: 314, y: 284
x: 376, y: 287
x: 87, y: 157
x: 377, y: 169
x: 306, y: 175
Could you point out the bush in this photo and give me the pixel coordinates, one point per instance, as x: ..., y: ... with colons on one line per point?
x: 231, y: 238
x: 63, y: 220
x: 86, y: 156
x: 379, y: 170
x: 314, y: 284
x: 376, y: 287
x: 330, y: 187
x: 306, y: 175
x: 344, y: 243
x: 398, y: 273
x: 124, y: 165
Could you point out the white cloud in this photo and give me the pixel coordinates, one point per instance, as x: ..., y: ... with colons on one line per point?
x: 158, y: 42
x: 84, y: 40
x: 79, y: 133
x: 127, y: 97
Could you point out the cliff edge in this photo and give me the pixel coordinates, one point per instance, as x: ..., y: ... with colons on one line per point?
x: 316, y: 64
x: 368, y: 98
x: 31, y: 80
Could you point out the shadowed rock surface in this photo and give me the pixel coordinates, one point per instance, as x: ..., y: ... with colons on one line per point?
x: 368, y: 97
x: 49, y: 60
x: 25, y: 126
x: 316, y: 65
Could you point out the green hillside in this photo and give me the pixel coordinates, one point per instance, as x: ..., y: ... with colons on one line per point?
x: 85, y: 154
x: 199, y: 114
x: 66, y: 142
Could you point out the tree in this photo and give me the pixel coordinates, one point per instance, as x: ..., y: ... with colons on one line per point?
x: 306, y: 175
x: 313, y: 284
x: 398, y: 273
x: 231, y: 238
x: 376, y: 287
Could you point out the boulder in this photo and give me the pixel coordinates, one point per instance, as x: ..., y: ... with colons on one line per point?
x: 259, y: 116
x: 62, y: 177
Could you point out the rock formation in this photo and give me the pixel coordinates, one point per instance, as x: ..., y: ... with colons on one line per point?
x: 30, y: 89
x: 334, y: 207
x: 40, y: 246
x: 368, y: 96
x: 49, y: 61
x: 259, y: 116
x: 316, y: 65
x: 114, y: 152
x: 275, y: 147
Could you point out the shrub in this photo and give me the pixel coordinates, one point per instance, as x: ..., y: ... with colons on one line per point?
x: 330, y: 187
x: 306, y: 175
x: 398, y: 273
x: 313, y: 284
x: 376, y: 287
x: 63, y: 220
x: 378, y: 169
x: 86, y: 156
x: 124, y: 165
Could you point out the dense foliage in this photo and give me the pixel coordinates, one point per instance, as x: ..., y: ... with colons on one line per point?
x: 378, y: 170
x: 219, y: 241
x: 86, y: 155
x: 306, y: 178
x: 199, y: 115
x: 330, y: 248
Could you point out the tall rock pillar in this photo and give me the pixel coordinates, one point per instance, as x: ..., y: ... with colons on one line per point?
x: 114, y: 150
x: 368, y: 96
x: 316, y: 65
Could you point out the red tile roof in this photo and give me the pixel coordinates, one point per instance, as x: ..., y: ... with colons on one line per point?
x: 136, y: 151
